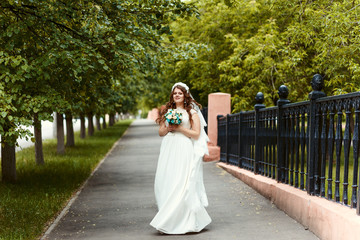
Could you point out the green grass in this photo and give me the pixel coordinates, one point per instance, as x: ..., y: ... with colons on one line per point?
x: 41, y: 192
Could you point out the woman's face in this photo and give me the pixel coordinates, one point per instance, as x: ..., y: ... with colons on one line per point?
x: 178, y: 96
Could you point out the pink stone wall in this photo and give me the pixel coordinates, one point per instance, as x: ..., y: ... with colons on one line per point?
x: 218, y: 104
x: 153, y: 114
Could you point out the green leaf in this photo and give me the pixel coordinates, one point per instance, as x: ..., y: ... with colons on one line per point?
x: 25, y: 67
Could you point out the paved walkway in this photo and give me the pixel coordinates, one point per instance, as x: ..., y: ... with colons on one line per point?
x: 118, y: 200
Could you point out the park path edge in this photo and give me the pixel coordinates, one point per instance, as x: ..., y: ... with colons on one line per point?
x: 50, y: 227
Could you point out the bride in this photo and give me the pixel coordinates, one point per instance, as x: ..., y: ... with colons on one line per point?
x: 179, y: 188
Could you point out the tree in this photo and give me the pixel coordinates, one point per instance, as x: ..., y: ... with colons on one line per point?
x: 15, y: 108
x: 253, y: 46
x: 56, y: 54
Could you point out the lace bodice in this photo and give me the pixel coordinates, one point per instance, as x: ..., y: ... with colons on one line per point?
x: 186, y: 121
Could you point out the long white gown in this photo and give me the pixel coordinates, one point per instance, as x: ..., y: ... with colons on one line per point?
x: 179, y: 187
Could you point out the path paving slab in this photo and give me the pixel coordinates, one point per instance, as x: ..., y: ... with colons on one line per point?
x: 118, y: 200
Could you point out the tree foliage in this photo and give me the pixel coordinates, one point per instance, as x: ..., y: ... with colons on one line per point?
x: 81, y: 58
x: 77, y: 56
x: 258, y: 45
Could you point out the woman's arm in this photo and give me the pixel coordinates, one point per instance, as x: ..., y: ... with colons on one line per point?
x: 163, y: 130
x: 194, y: 132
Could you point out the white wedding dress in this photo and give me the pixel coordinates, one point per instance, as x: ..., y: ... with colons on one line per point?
x: 179, y: 187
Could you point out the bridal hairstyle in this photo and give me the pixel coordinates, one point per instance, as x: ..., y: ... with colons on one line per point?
x: 189, y: 102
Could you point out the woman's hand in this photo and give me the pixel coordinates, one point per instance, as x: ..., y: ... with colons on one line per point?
x: 163, y: 130
x: 173, y: 127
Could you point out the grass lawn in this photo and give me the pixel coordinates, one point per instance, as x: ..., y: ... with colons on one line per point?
x: 41, y: 192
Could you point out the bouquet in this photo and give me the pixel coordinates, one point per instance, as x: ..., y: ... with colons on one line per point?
x: 173, y: 116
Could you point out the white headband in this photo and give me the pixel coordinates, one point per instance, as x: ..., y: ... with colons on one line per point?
x: 180, y: 84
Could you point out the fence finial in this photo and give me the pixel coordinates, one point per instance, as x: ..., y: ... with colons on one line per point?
x: 259, y: 98
x: 317, y: 84
x: 283, y: 92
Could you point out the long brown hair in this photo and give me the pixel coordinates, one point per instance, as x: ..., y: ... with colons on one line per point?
x: 189, y: 102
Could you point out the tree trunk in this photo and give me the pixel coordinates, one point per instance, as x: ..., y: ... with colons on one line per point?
x: 98, y: 125
x: 39, y: 155
x: 104, y: 122
x: 8, y: 160
x: 82, y: 126
x: 90, y: 124
x: 111, y: 119
x: 54, y: 126
x: 60, y: 133
x: 70, y: 139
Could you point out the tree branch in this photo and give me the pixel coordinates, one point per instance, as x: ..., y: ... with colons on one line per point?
x: 20, y: 11
x: 352, y: 8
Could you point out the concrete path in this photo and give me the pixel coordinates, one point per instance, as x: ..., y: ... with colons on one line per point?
x: 118, y: 200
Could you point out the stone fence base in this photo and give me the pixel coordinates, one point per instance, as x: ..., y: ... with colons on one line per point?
x: 326, y: 219
x: 214, y: 154
x: 153, y: 114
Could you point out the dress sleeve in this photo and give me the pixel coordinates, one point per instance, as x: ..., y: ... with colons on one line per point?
x: 193, y: 111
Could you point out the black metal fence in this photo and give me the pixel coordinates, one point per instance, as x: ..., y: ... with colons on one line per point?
x: 311, y: 145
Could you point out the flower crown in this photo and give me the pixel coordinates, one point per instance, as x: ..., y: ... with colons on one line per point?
x: 180, y: 84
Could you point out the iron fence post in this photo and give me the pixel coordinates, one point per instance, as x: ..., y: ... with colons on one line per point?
x: 258, y: 144
x: 227, y: 138
x: 283, y: 94
x: 219, y: 140
x: 317, y: 84
x: 239, y: 142
x: 218, y: 127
